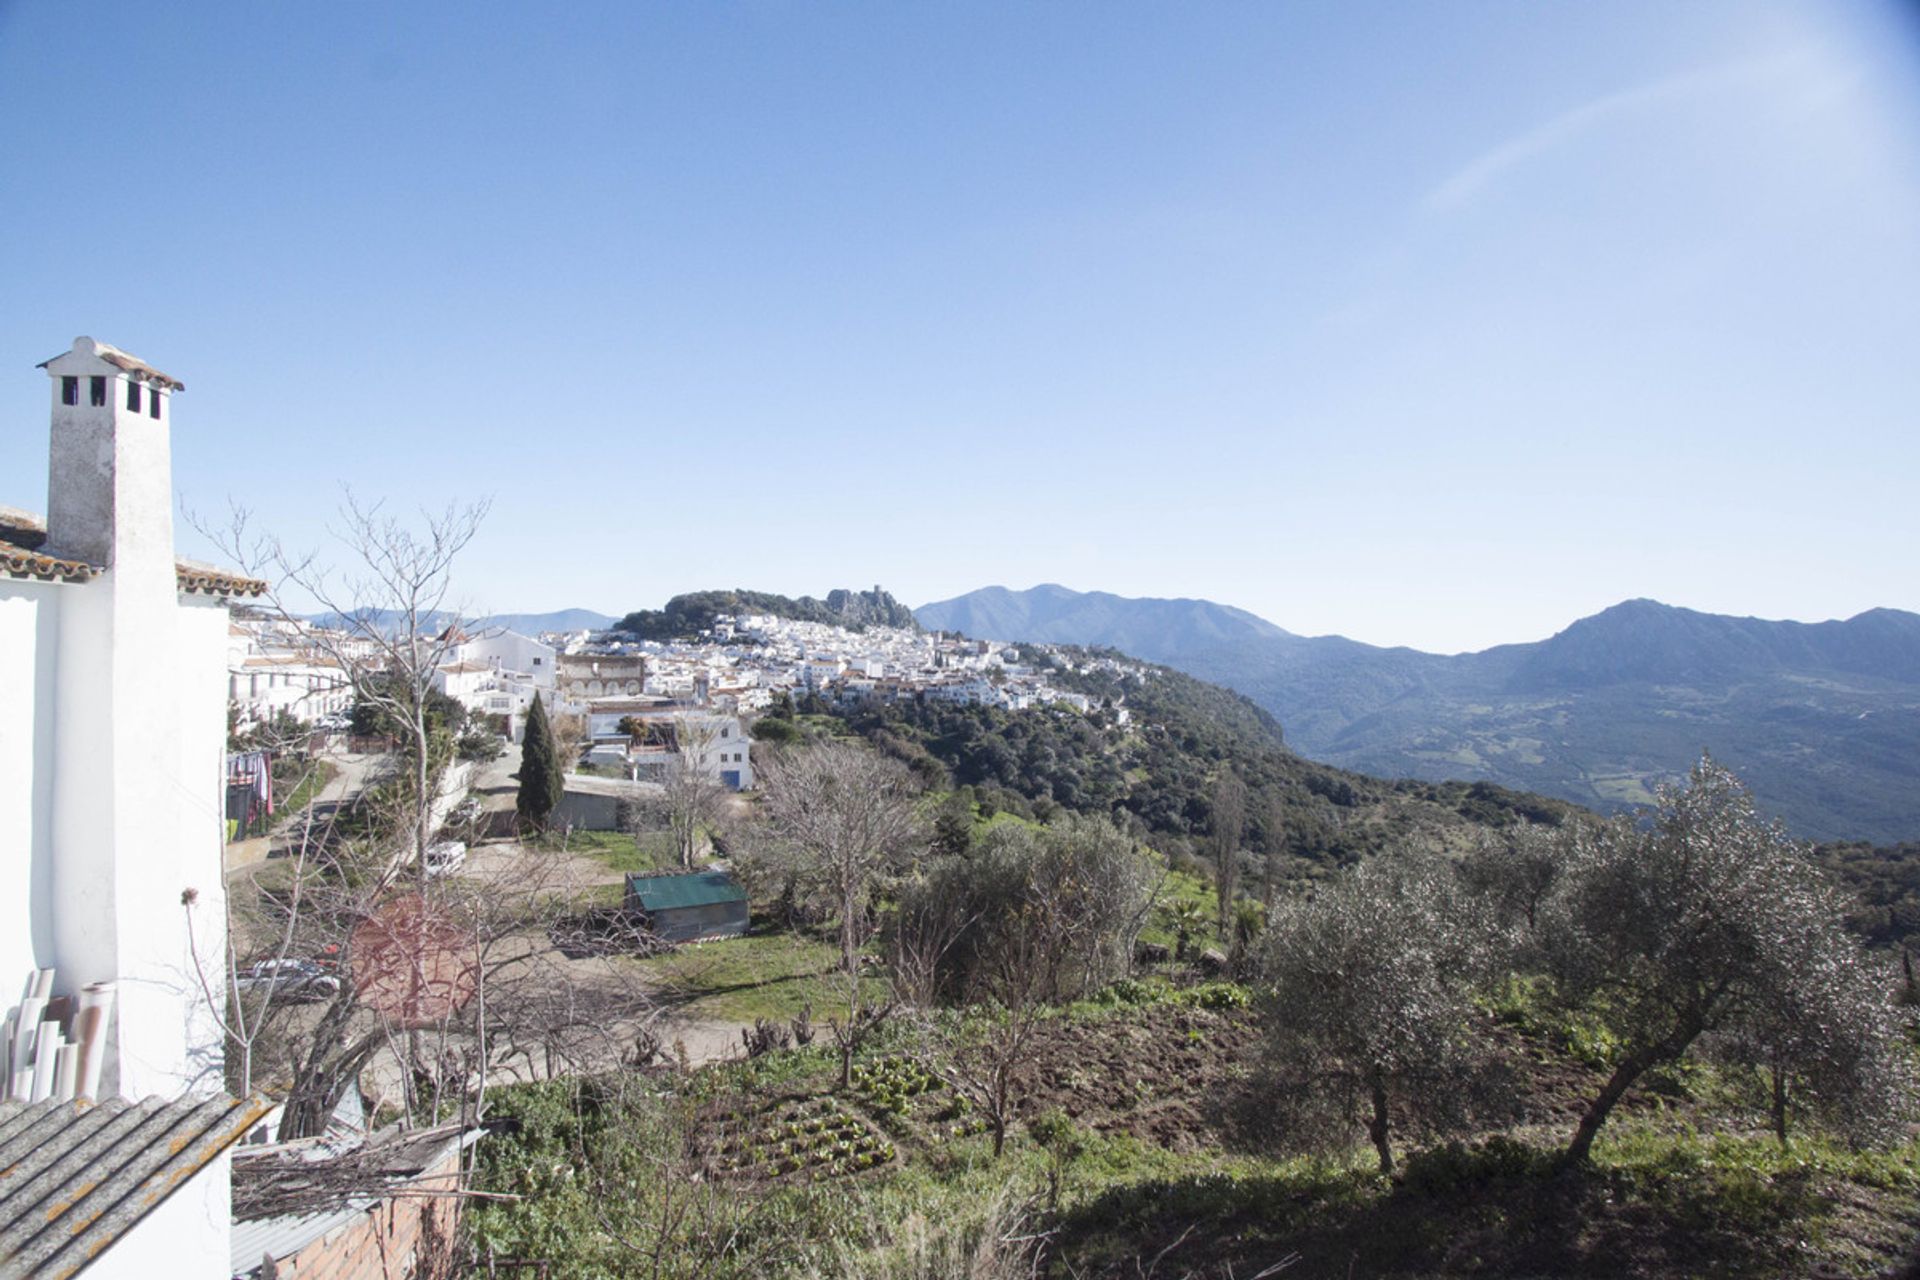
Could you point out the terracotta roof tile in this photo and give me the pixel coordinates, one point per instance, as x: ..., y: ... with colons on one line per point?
x: 18, y: 562
x: 23, y: 533
x: 205, y: 580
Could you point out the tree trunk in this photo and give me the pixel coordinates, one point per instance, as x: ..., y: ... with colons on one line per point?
x: 1378, y: 1128
x: 1624, y: 1075
x: 1002, y: 1102
x: 1780, y: 1104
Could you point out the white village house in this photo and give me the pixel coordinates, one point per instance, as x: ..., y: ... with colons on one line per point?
x: 497, y: 673
x: 114, y: 677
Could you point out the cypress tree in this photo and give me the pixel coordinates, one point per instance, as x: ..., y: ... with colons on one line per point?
x: 540, y: 775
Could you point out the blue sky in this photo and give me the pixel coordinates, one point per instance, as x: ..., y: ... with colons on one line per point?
x: 1437, y: 324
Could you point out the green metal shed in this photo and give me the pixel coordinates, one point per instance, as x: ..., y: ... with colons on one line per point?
x: 689, y: 907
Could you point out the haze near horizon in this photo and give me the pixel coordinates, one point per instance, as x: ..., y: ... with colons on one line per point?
x: 1444, y: 331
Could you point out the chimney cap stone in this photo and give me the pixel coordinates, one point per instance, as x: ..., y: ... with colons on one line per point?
x: 132, y: 365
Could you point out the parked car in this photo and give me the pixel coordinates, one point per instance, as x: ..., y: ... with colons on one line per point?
x: 289, y: 980
x: 445, y: 857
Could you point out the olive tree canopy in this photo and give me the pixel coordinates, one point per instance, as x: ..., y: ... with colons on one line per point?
x: 1368, y: 1003
x: 1711, y: 920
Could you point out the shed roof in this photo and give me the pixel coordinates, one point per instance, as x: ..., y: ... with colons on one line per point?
x: 698, y: 889
x: 76, y: 1177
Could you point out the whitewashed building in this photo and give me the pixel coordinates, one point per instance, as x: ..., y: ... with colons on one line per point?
x: 715, y: 744
x: 265, y: 681
x: 498, y: 673
x: 113, y: 674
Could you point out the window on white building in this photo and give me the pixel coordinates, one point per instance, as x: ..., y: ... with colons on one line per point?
x: 69, y: 391
x: 133, y: 395
x: 97, y: 390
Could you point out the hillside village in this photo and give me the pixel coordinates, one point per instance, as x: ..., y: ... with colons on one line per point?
x: 545, y: 955
x: 722, y: 678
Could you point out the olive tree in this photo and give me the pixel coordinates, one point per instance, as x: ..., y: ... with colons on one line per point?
x: 1368, y: 1002
x: 1516, y: 872
x: 1052, y: 912
x: 1710, y: 920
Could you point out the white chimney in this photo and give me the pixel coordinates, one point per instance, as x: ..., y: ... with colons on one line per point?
x: 138, y: 730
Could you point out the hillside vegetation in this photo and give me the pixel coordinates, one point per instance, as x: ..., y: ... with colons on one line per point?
x: 1424, y: 1067
x: 1158, y: 770
x: 685, y: 616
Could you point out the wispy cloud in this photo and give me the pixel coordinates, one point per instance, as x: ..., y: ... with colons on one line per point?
x: 1474, y: 177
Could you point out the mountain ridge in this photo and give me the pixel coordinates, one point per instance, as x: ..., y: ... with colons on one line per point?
x: 1822, y: 718
x: 529, y: 624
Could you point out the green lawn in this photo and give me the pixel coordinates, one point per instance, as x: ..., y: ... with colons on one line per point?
x: 772, y: 975
x: 616, y: 850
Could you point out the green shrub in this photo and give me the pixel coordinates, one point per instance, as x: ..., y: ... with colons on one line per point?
x: 1454, y: 1166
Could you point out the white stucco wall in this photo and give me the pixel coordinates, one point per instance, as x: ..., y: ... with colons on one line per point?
x: 29, y: 623
x: 513, y: 652
x: 199, y: 795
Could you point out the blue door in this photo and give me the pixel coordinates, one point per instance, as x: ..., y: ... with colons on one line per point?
x: 731, y: 777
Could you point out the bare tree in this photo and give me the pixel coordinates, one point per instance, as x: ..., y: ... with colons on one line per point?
x: 1711, y: 920
x: 570, y: 737
x: 1276, y: 850
x: 1228, y: 825
x: 393, y: 619
x: 691, y: 797
x: 844, y: 822
x: 513, y: 1005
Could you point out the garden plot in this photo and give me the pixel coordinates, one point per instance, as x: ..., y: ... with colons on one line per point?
x: 913, y: 1101
x: 796, y: 1138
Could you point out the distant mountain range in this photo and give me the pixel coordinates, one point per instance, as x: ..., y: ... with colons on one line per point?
x: 527, y: 624
x: 1821, y: 719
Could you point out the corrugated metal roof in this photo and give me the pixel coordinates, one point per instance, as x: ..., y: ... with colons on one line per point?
x: 334, y: 1202
x: 700, y: 889
x: 75, y: 1177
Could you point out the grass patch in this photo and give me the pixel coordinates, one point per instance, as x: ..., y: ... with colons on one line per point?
x: 1183, y: 888
x: 312, y: 781
x: 615, y: 850
x: 772, y: 975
